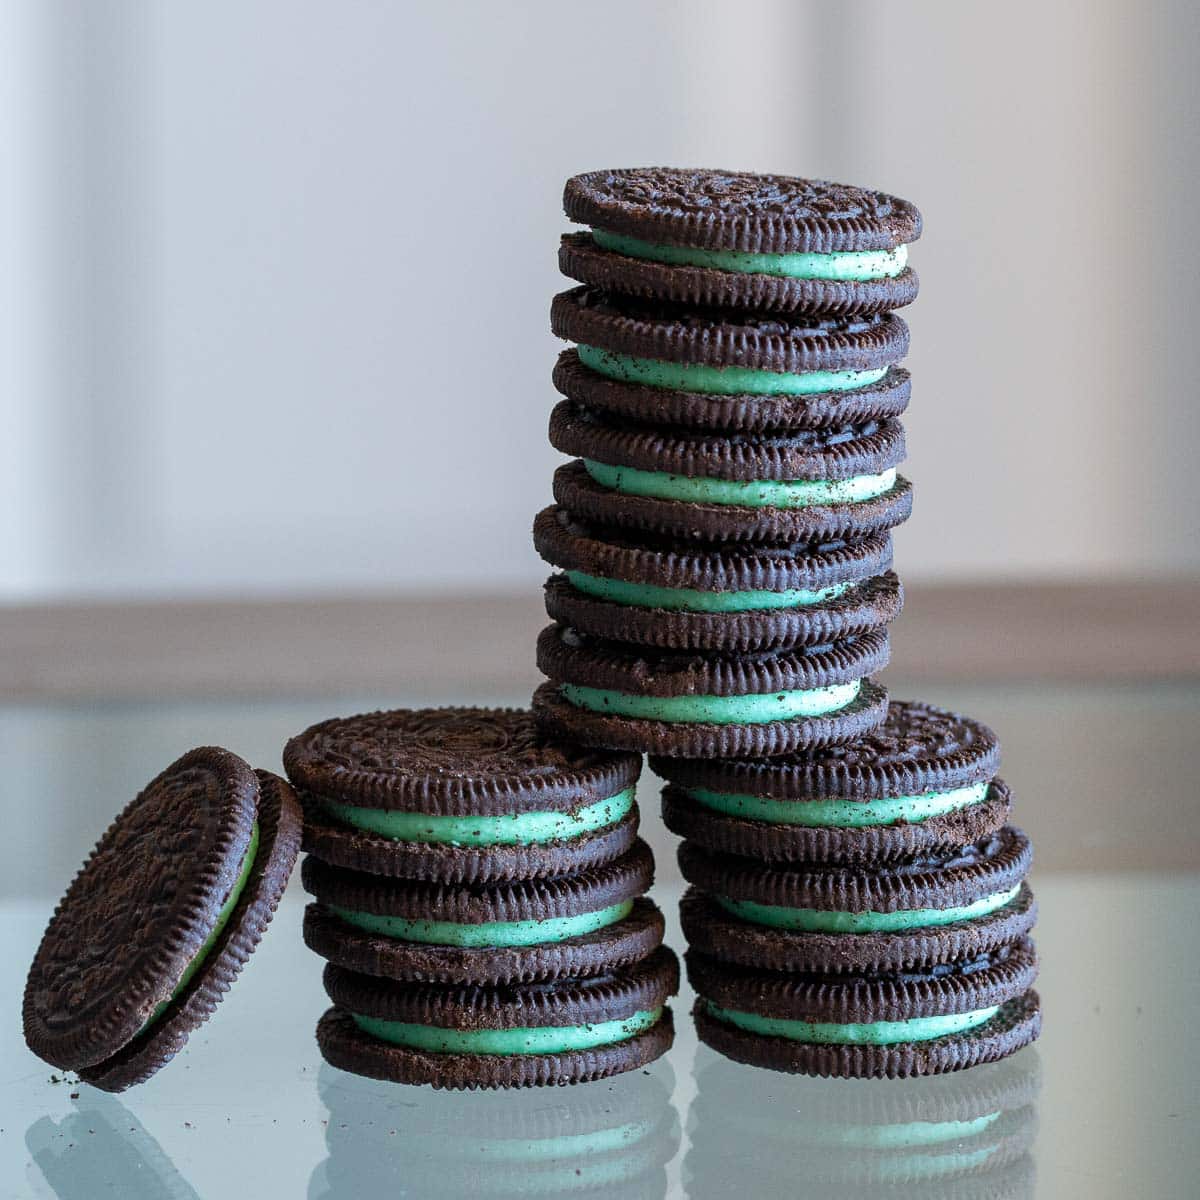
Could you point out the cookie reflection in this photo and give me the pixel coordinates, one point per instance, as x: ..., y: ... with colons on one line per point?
x: 612, y: 1137
x: 101, y: 1149
x: 756, y: 1133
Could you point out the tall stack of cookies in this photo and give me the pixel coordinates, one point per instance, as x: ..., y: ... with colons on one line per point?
x: 479, y: 896
x: 724, y: 587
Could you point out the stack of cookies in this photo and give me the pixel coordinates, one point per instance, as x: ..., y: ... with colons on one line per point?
x: 479, y: 895
x: 723, y: 595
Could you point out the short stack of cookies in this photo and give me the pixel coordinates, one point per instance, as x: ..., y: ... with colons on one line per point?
x: 723, y: 593
x: 479, y: 896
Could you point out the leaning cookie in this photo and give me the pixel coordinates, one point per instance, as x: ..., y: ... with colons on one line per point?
x: 736, y: 239
x: 522, y: 1036
x: 922, y: 782
x: 675, y: 596
x: 925, y: 1022
x: 459, y: 795
x: 520, y: 932
x: 807, y: 486
x: 708, y: 706
x: 826, y: 920
x: 161, y: 919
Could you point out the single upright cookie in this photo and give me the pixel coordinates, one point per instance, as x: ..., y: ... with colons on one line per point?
x: 519, y: 932
x: 677, y: 596
x: 923, y: 782
x: 807, y: 486
x: 826, y: 920
x: 161, y: 918
x: 459, y: 795
x: 607, y: 694
x: 736, y: 239
x: 521, y: 1036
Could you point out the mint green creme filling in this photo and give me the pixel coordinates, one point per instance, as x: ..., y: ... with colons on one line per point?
x: 507, y: 829
x: 486, y: 933
x: 867, y: 1033
x: 646, y: 595
x: 847, y: 264
x: 538, y: 1039
x: 815, y: 920
x: 721, y: 381
x: 231, y: 901
x: 744, y: 493
x: 838, y: 813
x: 753, y: 709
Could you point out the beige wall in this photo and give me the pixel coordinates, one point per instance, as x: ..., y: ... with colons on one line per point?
x: 276, y: 318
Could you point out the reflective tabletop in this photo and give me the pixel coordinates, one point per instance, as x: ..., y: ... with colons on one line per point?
x: 1106, y: 1104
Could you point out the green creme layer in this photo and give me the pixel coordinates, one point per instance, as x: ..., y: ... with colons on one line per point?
x: 815, y: 920
x: 486, y: 933
x: 867, y: 1033
x: 839, y: 813
x: 538, y: 1039
x: 646, y: 595
x: 223, y: 916
x: 747, y: 493
x: 858, y: 265
x: 752, y: 709
x: 721, y: 381
x: 507, y: 829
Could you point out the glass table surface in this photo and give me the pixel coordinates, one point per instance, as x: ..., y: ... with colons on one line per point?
x: 1106, y: 1104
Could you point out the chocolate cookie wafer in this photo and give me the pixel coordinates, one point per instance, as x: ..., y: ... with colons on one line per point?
x: 922, y: 782
x: 519, y: 1036
x: 919, y: 913
x: 806, y: 486
x: 460, y: 795
x: 572, y: 926
x: 607, y: 694
x: 161, y: 918
x: 923, y: 1022
x: 736, y: 239
x: 676, y: 596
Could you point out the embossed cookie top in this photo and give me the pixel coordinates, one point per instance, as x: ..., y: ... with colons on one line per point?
x: 918, y: 748
x: 739, y: 210
x: 457, y: 761
x: 140, y: 909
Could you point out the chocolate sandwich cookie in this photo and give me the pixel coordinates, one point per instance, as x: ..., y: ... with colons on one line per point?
x: 520, y: 1036
x: 607, y: 694
x: 519, y: 932
x: 460, y: 795
x: 922, y: 782
x: 161, y: 918
x: 958, y: 905
x: 923, y: 1022
x: 958, y: 1135
x: 732, y: 238
x: 611, y: 1141
x: 805, y: 486
x: 731, y: 414
x: 675, y: 596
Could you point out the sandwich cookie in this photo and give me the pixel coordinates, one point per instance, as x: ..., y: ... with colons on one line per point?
x: 459, y: 795
x: 736, y: 239
x: 826, y: 920
x: 161, y: 918
x: 923, y: 1022
x: 521, y: 1036
x: 806, y: 486
x: 922, y: 782
x: 573, y: 926
x: 606, y: 694
x: 677, y: 596
x: 731, y: 414
x: 959, y: 1135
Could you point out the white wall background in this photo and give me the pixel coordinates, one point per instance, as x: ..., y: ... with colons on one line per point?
x: 276, y: 274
